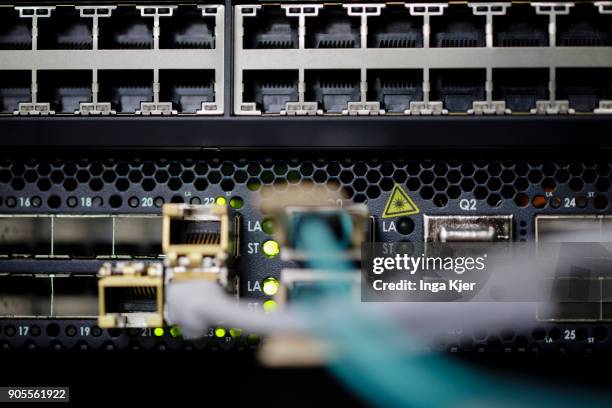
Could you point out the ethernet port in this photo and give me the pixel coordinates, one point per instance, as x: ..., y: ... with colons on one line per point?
x: 395, y: 89
x: 15, y: 88
x: 15, y: 32
x: 520, y: 27
x: 64, y: 90
x: 333, y: 28
x: 130, y: 295
x: 126, y: 28
x: 458, y: 27
x: 270, y: 89
x: 332, y: 89
x: 584, y: 27
x: 584, y: 87
x: 395, y: 28
x: 457, y: 88
x: 187, y: 28
x: 187, y: 89
x: 270, y: 28
x: 65, y: 29
x: 520, y: 88
x: 194, y: 231
x: 125, y: 89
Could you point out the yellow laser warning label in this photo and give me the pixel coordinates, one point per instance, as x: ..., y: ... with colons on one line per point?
x: 399, y: 203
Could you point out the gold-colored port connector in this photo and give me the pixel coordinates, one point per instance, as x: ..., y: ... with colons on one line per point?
x: 130, y: 294
x: 194, y: 232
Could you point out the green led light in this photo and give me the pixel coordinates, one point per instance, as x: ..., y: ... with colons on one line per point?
x: 221, y: 200
x: 268, y: 226
x: 175, y: 331
x: 252, y: 339
x: 236, y: 202
x: 270, y: 306
x: 234, y: 332
x: 158, y: 332
x: 220, y: 332
x: 270, y: 286
x: 271, y: 248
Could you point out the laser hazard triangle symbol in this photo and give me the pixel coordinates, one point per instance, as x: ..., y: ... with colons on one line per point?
x: 399, y: 203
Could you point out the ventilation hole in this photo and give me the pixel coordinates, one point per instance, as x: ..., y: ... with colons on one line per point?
x: 481, y: 177
x: 549, y: 185
x: 521, y: 184
x: 115, y: 201
x: 373, y: 176
x: 360, y: 185
x: 453, y: 192
x: 53, y: 330
x: 467, y: 169
x: 319, y: 176
x: 240, y: 176
x: 413, y: 184
x: 467, y: 185
x: 177, y: 199
x: 427, y: 177
x: 576, y: 185
x: 227, y: 169
x: 386, y: 184
x: 227, y: 184
x: 175, y: 184
x: 522, y: 200
x: 294, y: 177
x: 602, y: 184
x: 96, y: 184
x: 253, y: 184
x: 480, y: 192
x: 54, y: 201
x: 494, y: 200
x: 600, y: 202
x: 187, y: 176
x: 539, y: 201
x: 122, y: 184
x: 306, y: 169
x: 440, y: 184
x: 600, y: 333
x: 359, y: 198
x: 538, y: 334
x: 148, y: 184
x: 427, y: 192
x: 200, y: 184
x: 494, y: 184
x: 400, y: 176
x: 440, y: 200
x: 17, y: 184
x: 373, y: 192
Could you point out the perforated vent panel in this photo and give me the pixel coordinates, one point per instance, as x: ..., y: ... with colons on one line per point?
x: 116, y: 184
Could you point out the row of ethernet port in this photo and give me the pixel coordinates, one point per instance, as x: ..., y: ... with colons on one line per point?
x: 65, y: 90
x: 455, y: 25
x: 126, y: 28
x: 457, y: 89
x: 123, y: 27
